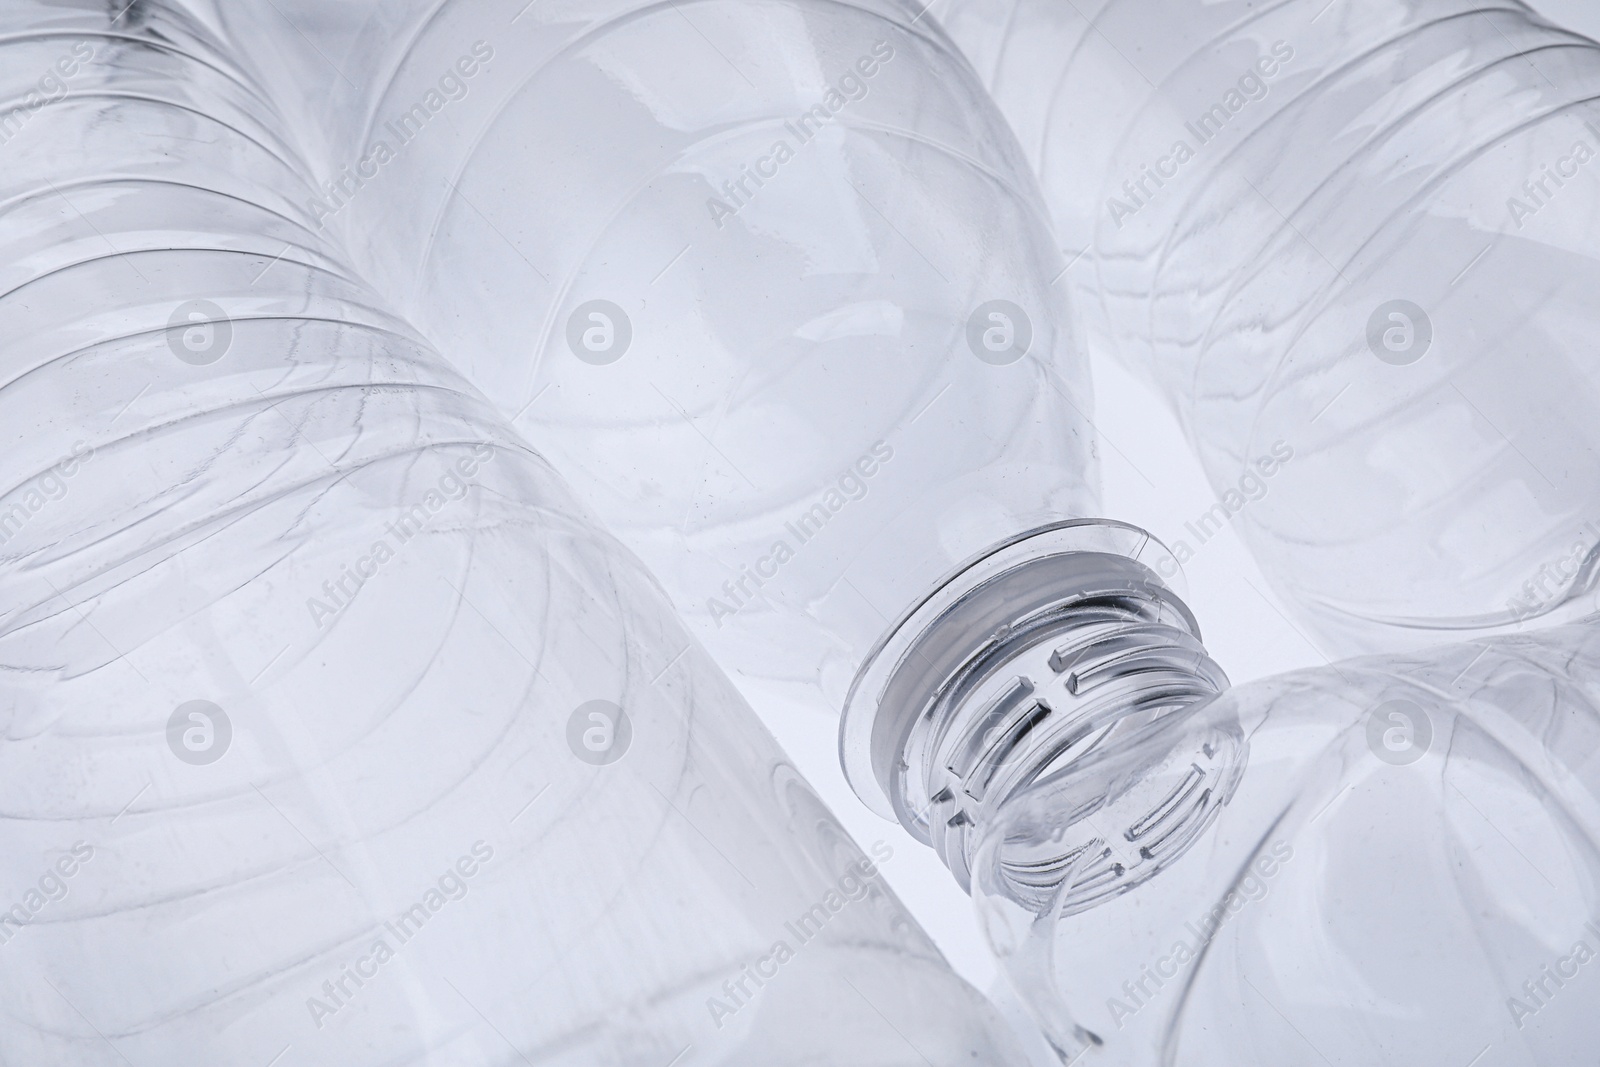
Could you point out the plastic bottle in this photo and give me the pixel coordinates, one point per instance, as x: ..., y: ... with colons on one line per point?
x: 335, y: 733
x: 770, y: 282
x: 1387, y: 860
x: 1366, y: 229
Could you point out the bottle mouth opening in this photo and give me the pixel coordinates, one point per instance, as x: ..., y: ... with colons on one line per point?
x: 1021, y: 661
x: 1075, y: 840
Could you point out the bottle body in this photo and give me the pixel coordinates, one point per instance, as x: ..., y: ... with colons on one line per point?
x: 1393, y: 859
x: 770, y: 283
x: 298, y: 754
x: 1361, y: 231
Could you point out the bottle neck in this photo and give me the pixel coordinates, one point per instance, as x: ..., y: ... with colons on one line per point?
x: 1023, y: 662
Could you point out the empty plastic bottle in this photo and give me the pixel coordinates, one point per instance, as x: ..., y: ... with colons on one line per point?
x: 1389, y: 860
x: 1366, y: 229
x: 770, y: 282
x: 335, y: 733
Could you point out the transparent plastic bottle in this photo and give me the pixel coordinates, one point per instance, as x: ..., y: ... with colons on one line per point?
x: 1387, y: 860
x: 335, y: 732
x: 1366, y: 229
x: 771, y: 284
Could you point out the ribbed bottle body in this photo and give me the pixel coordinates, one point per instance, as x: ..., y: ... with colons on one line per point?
x: 1388, y: 860
x: 771, y: 284
x: 1365, y: 230
x: 335, y: 731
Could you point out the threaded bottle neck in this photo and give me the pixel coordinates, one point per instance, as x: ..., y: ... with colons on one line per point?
x: 1021, y: 663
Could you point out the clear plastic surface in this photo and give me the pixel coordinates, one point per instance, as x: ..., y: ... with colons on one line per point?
x: 1390, y: 860
x: 1366, y: 229
x: 335, y: 732
x: 770, y: 282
